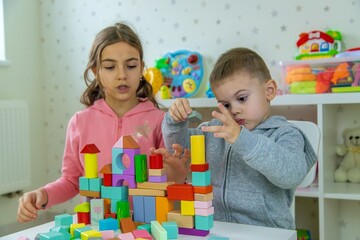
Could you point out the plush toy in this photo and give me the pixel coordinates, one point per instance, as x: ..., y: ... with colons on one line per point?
x: 349, y: 167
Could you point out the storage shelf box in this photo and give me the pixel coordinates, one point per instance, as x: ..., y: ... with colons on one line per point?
x: 323, y: 75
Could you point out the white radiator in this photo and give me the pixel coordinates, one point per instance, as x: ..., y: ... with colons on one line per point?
x: 14, y: 146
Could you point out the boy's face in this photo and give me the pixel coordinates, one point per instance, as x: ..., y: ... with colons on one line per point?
x: 246, y: 98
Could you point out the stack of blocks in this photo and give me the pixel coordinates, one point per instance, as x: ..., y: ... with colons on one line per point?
x: 132, y: 201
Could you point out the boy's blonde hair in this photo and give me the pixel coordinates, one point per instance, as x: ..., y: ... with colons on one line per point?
x: 239, y: 60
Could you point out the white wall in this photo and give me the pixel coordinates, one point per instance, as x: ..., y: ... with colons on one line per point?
x: 67, y: 29
x: 23, y: 80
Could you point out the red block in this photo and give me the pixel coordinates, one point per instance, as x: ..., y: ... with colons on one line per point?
x: 107, y: 180
x: 199, y: 167
x: 180, y: 192
x: 156, y: 161
x: 110, y: 215
x: 83, y: 217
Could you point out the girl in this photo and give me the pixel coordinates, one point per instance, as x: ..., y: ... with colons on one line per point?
x: 119, y: 102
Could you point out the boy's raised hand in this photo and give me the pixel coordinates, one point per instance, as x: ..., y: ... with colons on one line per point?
x: 175, y: 164
x: 230, y: 129
x: 180, y: 109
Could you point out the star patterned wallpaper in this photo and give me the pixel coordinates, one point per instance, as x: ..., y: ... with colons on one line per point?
x: 209, y: 27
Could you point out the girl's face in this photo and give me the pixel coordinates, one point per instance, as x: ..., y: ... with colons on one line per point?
x: 246, y: 98
x: 120, y: 72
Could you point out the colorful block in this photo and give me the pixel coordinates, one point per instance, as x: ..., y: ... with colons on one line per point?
x: 141, y: 168
x: 180, y: 192
x: 63, y: 220
x: 204, y: 222
x: 201, y: 178
x: 150, y: 209
x: 158, y: 231
x: 187, y: 208
x: 197, y: 149
x: 138, y: 209
x: 171, y: 229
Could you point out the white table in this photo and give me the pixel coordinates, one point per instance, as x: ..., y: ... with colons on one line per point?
x: 221, y: 229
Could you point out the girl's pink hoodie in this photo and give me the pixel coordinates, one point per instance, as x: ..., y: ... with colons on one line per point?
x: 99, y: 125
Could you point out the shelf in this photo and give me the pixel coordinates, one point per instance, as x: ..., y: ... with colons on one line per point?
x: 281, y: 100
x: 312, y: 192
x: 346, y: 191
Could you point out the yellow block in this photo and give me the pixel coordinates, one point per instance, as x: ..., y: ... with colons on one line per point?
x: 187, y: 208
x: 75, y: 226
x: 89, y: 234
x: 91, y: 165
x: 197, y: 149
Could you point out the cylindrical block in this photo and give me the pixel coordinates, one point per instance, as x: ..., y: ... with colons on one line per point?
x: 197, y: 149
x: 91, y: 165
x: 156, y: 161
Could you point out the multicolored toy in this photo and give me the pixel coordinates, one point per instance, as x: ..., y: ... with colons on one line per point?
x: 318, y: 44
x: 181, y: 74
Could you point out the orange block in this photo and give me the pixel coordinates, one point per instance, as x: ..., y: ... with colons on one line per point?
x: 203, y: 189
x: 163, y: 206
x: 127, y: 225
x: 180, y: 192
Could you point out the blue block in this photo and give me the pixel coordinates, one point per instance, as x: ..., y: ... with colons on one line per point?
x: 105, y: 192
x: 200, y: 179
x: 63, y: 220
x: 138, y: 207
x: 218, y: 238
x: 50, y: 235
x: 78, y: 231
x: 84, y: 183
x: 121, y: 192
x: 204, y: 222
x: 147, y: 227
x: 117, y: 166
x: 95, y: 184
x: 108, y: 224
x: 171, y: 229
x: 64, y: 230
x: 150, y: 209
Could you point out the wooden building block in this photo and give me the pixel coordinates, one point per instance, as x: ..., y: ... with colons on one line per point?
x: 91, y: 165
x: 163, y: 206
x: 151, y: 185
x: 138, y: 209
x: 141, y: 168
x: 127, y: 225
x: 203, y: 189
x: 158, y: 179
x: 197, y: 149
x: 122, y: 209
x: 157, y: 172
x: 199, y: 167
x: 204, y: 222
x: 149, y: 209
x: 96, y: 211
x: 180, y: 192
x: 156, y: 161
x: 91, y: 194
x: 200, y: 178
x: 158, y: 231
x: 204, y: 197
x: 203, y: 204
x: 181, y: 220
x: 187, y: 208
x: 146, y: 192
x: 194, y: 232
x: 171, y: 229
x: 204, y: 211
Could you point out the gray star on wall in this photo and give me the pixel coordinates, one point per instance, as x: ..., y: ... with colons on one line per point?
x: 273, y: 63
x: 255, y: 30
x: 203, y: 3
x: 326, y: 9
x: 227, y: 6
x: 274, y: 13
x: 183, y: 39
x: 298, y: 8
x: 218, y: 41
x: 283, y: 28
x: 342, y: 224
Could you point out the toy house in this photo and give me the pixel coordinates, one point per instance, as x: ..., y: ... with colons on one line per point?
x: 318, y: 44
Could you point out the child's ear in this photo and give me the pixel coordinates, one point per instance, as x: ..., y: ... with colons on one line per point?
x: 271, y: 89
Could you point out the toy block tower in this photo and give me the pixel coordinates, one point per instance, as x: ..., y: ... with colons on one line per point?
x: 196, y: 211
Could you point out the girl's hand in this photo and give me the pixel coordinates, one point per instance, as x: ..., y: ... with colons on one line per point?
x: 175, y: 164
x: 230, y: 129
x: 180, y: 109
x: 30, y: 203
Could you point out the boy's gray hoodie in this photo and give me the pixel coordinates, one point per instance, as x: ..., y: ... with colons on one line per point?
x: 254, y: 179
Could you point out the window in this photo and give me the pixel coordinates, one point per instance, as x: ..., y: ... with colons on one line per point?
x: 3, y: 61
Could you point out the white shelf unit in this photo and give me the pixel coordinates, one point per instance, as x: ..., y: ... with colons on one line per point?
x: 332, y: 112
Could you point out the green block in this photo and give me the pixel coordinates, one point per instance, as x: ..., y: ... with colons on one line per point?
x: 140, y: 168
x: 123, y: 209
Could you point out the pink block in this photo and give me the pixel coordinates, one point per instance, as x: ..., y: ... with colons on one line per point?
x: 157, y: 179
x: 204, y: 211
x: 107, y: 234
x: 126, y: 236
x: 142, y: 233
x: 193, y: 232
x: 23, y: 238
x: 200, y: 204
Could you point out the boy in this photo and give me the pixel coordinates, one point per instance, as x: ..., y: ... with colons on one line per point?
x: 256, y: 160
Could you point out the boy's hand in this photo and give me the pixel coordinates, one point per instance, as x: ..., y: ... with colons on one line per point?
x: 175, y: 164
x: 180, y: 109
x: 230, y: 129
